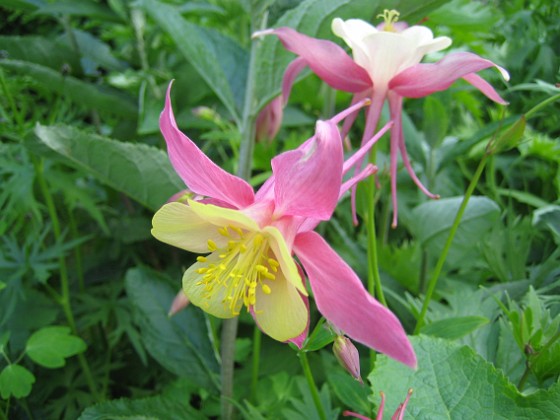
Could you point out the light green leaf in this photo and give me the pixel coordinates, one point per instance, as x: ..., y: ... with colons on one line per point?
x: 181, y: 344
x: 218, y: 59
x: 455, y: 327
x: 432, y: 221
x: 435, y: 122
x: 51, y: 345
x: 15, y: 380
x: 140, y: 171
x: 454, y: 382
x: 102, y: 99
x: 2, y: 285
x: 142, y: 409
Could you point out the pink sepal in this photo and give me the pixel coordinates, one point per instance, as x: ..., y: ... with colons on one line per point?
x: 423, y: 79
x: 343, y: 301
x: 201, y: 175
x: 485, y: 87
x: 311, y: 171
x: 326, y: 59
x: 290, y: 75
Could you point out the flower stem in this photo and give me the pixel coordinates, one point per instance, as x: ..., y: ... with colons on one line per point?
x: 256, y: 360
x: 64, y: 280
x: 311, y: 384
x: 443, y: 256
x: 229, y: 333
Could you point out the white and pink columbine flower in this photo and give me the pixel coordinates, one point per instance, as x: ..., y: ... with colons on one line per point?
x: 386, y: 66
x: 248, y: 240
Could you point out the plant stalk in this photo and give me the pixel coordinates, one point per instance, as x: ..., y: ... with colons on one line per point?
x: 311, y: 384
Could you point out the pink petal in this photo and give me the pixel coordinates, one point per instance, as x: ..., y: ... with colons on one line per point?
x: 290, y: 75
x: 485, y: 87
x: 423, y: 79
x: 200, y: 174
x: 325, y: 58
x: 307, y: 180
x: 343, y: 301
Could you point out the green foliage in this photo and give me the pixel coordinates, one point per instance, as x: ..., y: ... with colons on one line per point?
x: 466, y: 386
x: 15, y: 380
x: 51, y: 345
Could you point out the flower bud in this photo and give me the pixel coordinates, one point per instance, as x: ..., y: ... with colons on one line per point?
x: 179, y: 303
x: 348, y: 356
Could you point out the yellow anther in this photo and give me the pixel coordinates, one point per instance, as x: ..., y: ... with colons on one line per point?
x: 238, y: 230
x: 258, y: 239
x: 390, y: 17
x: 223, y: 231
x: 212, y: 245
x: 269, y: 276
x: 242, y: 248
x: 261, y: 268
x: 201, y: 259
x: 201, y: 270
x: 266, y: 290
x: 252, y: 299
x: 222, y: 267
x: 273, y: 263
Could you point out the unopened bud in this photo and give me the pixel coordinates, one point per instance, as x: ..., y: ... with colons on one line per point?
x: 179, y: 303
x: 348, y: 356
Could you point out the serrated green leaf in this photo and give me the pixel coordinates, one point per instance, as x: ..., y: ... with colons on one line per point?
x: 454, y: 327
x: 102, y: 99
x: 140, y: 171
x: 144, y: 409
x: 218, y: 59
x: 454, y: 382
x: 432, y: 221
x: 181, y: 344
x: 51, y: 345
x: 15, y: 380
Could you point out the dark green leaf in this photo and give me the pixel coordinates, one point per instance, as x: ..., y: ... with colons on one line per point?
x: 454, y: 328
x: 454, y: 382
x: 140, y: 171
x: 218, y: 59
x: 349, y: 390
x: 99, y: 98
x: 15, y: 380
x: 181, y: 343
x: 51, y: 345
x: 412, y: 11
x: 79, y: 8
x: 148, y: 408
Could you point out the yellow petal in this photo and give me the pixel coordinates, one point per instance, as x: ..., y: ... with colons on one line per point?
x: 198, y: 295
x: 284, y: 257
x: 281, y: 314
x: 221, y: 216
x: 178, y: 225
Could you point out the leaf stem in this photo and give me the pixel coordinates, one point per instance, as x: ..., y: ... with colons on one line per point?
x: 311, y: 384
x: 443, y: 256
x: 538, y: 107
x: 64, y: 280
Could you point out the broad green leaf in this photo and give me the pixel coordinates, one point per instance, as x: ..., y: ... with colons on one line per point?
x: 218, y: 59
x: 147, y: 408
x: 181, y: 344
x: 454, y: 328
x: 435, y: 121
x: 51, y: 345
x: 140, y: 171
x: 349, y: 390
x: 79, y: 8
x: 99, y: 98
x: 41, y: 50
x: 431, y: 222
x: 15, y: 380
x: 454, y: 382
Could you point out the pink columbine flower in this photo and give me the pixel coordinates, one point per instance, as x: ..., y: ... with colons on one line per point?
x: 385, y: 67
x: 398, y: 415
x: 248, y: 241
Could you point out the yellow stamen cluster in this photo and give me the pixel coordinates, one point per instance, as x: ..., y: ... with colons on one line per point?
x: 237, y: 269
x: 390, y: 17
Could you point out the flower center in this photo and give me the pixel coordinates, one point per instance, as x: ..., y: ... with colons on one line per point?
x: 236, y: 270
x: 390, y: 17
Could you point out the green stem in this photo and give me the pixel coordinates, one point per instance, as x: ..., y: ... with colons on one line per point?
x: 255, y: 366
x: 439, y: 266
x: 19, y: 120
x: 247, y: 129
x: 538, y: 107
x: 374, y: 279
x: 77, y: 252
x: 64, y: 280
x: 312, y: 386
